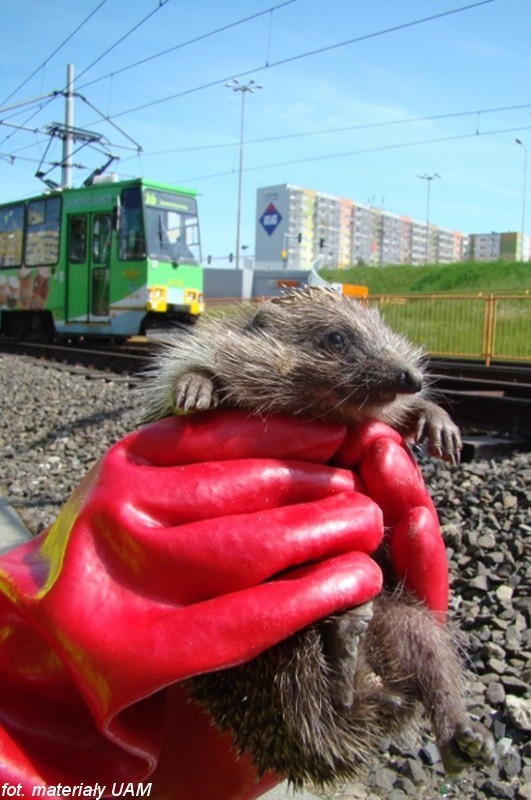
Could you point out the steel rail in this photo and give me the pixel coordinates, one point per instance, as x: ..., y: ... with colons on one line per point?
x: 477, y: 396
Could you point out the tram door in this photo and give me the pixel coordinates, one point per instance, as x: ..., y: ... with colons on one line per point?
x: 88, y: 267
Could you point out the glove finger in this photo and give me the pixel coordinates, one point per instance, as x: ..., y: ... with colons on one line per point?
x: 227, y: 434
x: 197, y: 561
x: 171, y: 496
x: 161, y: 644
x: 266, y: 614
x: 393, y: 480
x: 360, y: 439
x: 418, y: 555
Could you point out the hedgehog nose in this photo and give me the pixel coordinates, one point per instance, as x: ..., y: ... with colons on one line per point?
x: 410, y: 381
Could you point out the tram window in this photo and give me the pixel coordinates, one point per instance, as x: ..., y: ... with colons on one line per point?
x: 101, y: 238
x: 171, y: 235
x: 191, y: 231
x: 131, y: 237
x: 43, y: 231
x: 77, y: 248
x: 11, y: 230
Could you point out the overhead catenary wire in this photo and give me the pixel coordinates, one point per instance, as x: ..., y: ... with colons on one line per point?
x: 300, y: 56
x: 161, y: 3
x: 110, y: 118
x: 268, y: 65
x: 31, y: 116
x: 130, y: 66
x: 115, y: 44
x: 54, y: 52
x: 113, y: 124
x: 322, y: 131
x: 36, y: 70
x: 23, y: 105
x: 186, y: 43
x: 343, y: 129
x: 363, y: 151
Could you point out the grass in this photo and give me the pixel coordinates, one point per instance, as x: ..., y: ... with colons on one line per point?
x: 450, y: 325
x: 460, y: 278
x: 453, y: 325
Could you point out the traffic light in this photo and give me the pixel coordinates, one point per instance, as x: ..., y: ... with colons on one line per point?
x: 321, y: 244
x: 209, y: 259
x: 231, y: 258
x: 299, y: 238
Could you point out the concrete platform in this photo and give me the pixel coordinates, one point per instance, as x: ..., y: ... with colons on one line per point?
x: 485, y: 447
x: 12, y: 529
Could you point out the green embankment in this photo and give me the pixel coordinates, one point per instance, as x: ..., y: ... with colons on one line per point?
x: 470, y: 325
x: 460, y: 278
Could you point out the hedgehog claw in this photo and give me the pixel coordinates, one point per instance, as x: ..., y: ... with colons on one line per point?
x: 441, y: 435
x: 194, y: 392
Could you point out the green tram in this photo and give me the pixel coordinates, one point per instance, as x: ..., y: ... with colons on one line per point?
x: 111, y: 259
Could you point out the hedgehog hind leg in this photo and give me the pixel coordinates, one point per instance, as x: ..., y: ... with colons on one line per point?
x: 341, y: 642
x: 416, y: 658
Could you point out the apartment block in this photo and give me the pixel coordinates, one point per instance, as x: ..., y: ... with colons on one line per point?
x: 510, y: 246
x: 297, y: 228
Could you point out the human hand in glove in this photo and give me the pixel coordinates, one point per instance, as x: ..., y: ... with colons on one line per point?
x: 194, y: 544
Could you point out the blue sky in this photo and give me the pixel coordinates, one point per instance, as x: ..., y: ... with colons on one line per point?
x: 360, y: 119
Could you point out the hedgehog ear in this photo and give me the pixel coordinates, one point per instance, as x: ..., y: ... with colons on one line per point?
x: 257, y: 323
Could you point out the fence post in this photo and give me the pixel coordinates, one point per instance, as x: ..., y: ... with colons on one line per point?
x: 489, y: 327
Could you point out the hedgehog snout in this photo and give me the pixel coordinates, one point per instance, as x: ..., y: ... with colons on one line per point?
x: 410, y: 381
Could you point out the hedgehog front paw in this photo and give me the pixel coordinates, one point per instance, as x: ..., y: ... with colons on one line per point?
x: 195, y: 392
x: 471, y: 744
x: 441, y: 434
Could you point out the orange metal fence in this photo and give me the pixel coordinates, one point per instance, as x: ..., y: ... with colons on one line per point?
x: 484, y: 326
x: 481, y: 326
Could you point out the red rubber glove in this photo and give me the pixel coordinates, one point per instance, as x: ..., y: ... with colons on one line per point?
x: 194, y: 544
x: 393, y: 479
x: 164, y: 564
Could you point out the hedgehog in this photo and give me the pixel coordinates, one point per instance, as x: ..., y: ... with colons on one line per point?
x: 281, y: 707
x: 313, y: 353
x: 315, y: 706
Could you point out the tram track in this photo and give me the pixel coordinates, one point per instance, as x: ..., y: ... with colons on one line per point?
x: 495, y: 397
x: 491, y: 403
x: 121, y: 359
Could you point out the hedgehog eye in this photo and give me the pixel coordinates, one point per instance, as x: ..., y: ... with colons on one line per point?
x: 335, y: 340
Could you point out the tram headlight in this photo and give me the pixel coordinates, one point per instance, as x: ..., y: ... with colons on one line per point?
x: 157, y: 299
x: 195, y: 302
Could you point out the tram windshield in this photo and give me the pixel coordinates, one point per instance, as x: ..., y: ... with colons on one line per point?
x: 172, y: 229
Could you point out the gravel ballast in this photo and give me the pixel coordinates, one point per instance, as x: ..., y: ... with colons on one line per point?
x: 56, y: 422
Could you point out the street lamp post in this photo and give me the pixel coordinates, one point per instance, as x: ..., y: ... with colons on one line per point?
x: 519, y: 141
x: 428, y: 179
x: 251, y: 87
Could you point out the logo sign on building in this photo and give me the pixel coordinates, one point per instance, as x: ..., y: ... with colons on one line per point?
x: 270, y: 219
